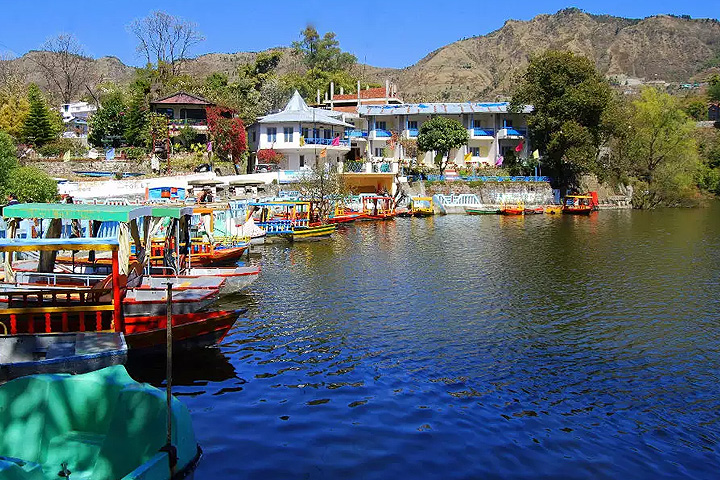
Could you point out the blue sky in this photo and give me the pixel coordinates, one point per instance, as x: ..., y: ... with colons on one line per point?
x: 387, y: 33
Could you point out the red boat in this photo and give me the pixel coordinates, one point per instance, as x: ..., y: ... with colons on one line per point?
x: 377, y: 208
x: 578, y: 204
x: 512, y: 209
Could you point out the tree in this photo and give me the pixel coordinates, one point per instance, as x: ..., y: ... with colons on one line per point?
x: 14, y: 105
x: 8, y: 158
x: 568, y: 97
x: 136, y: 121
x: 322, y: 185
x: 662, y: 150
x: 322, y: 54
x: 165, y: 40
x: 40, y: 127
x: 228, y: 135
x: 65, y: 67
x: 441, y: 135
x: 31, y: 184
x: 107, y: 125
x: 714, y: 88
x: 697, y: 110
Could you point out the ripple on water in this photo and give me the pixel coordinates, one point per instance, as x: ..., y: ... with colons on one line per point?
x: 472, y: 347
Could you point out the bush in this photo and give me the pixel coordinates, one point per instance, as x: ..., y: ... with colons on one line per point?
x: 133, y: 153
x: 31, y: 184
x: 57, y: 148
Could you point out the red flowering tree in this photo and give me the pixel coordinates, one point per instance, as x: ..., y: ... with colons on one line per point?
x: 268, y: 155
x: 227, y: 133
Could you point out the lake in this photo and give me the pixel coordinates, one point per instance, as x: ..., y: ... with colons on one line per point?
x: 463, y: 347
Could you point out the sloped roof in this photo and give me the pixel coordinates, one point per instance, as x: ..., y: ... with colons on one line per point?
x: 437, y: 108
x: 297, y: 110
x: 183, y: 98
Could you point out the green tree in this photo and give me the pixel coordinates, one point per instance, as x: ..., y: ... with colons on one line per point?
x: 107, y: 125
x: 714, y: 88
x: 322, y: 53
x: 136, y: 121
x: 31, y: 184
x: 8, y: 159
x: 441, y: 135
x: 569, y: 98
x: 662, y: 150
x: 697, y: 110
x: 40, y: 127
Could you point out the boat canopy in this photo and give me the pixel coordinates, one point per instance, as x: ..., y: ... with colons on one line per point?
x: 56, y: 244
x: 102, y: 213
x: 171, y: 211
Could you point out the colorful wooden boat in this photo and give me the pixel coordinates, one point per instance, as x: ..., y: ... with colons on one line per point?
x: 377, y: 207
x: 74, y: 353
x: 312, y: 232
x: 553, y: 209
x: 534, y: 210
x: 227, y: 280
x: 153, y: 301
x: 343, y: 215
x: 518, y: 209
x: 577, y: 204
x: 101, y: 425
x: 421, y: 207
x: 482, y: 211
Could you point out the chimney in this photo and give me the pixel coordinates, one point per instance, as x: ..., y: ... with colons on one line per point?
x: 332, y: 94
x: 387, y: 88
x: 318, y: 96
x: 358, y: 92
x: 342, y: 91
x: 326, y: 96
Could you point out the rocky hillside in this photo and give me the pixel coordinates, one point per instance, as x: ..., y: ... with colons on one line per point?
x: 485, y: 67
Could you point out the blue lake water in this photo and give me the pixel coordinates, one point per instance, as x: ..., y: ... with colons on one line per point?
x: 465, y: 347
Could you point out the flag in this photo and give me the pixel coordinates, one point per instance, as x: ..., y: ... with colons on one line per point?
x: 209, y: 147
x: 336, y: 142
x: 323, y: 153
x: 302, y: 140
x: 499, y: 161
x: 536, y: 154
x: 468, y: 156
x: 110, y: 154
x: 520, y: 146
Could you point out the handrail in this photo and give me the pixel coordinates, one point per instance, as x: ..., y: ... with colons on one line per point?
x: 63, y: 309
x: 5, y: 330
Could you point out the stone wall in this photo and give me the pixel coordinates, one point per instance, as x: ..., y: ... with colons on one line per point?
x: 495, y: 193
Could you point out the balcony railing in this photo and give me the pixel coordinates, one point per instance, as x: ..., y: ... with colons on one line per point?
x: 356, y: 134
x: 483, y: 132
x: 325, y: 141
x: 354, y: 167
x: 383, y: 167
x: 382, y: 133
x: 195, y: 122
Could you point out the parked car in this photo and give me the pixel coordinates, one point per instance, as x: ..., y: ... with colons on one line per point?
x: 266, y: 167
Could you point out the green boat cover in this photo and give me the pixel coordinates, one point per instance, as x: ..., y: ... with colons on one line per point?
x: 170, y: 211
x: 103, y: 213
x: 103, y: 425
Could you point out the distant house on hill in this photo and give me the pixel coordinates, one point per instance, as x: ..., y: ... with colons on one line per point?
x: 183, y: 109
x: 714, y: 112
x: 75, y: 116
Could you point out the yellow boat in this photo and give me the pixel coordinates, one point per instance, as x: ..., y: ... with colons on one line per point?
x: 553, y: 209
x: 421, y: 207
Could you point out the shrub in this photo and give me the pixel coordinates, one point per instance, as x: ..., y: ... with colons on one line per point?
x: 57, y: 148
x: 31, y: 184
x: 133, y: 153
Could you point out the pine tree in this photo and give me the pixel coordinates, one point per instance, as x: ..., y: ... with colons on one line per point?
x: 38, y: 128
x: 136, y: 121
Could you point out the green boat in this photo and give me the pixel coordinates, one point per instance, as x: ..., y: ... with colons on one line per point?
x: 481, y: 211
x: 101, y: 425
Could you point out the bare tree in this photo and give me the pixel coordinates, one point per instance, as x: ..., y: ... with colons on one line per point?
x: 164, y: 40
x: 10, y: 75
x: 64, y: 66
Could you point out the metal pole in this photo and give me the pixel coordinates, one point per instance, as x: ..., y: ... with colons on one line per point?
x: 168, y: 373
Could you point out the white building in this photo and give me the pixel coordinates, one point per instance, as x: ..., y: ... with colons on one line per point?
x: 301, y: 134
x: 493, y: 130
x: 75, y: 116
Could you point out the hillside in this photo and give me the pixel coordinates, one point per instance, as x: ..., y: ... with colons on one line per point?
x: 661, y: 47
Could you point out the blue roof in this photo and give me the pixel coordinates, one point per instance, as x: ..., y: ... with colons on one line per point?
x: 438, y: 108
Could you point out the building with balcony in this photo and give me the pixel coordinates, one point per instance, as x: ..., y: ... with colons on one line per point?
x: 183, y: 109
x: 493, y: 130
x: 301, y: 133
x: 75, y: 116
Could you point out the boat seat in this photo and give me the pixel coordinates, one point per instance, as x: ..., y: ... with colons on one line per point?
x: 16, y: 469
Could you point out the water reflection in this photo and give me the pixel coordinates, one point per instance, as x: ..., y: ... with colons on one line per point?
x: 190, y: 367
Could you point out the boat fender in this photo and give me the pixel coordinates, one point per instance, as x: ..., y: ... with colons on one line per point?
x: 172, y: 453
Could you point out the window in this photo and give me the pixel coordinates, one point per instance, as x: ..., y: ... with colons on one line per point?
x: 253, y: 136
x: 380, y: 126
x: 475, y: 151
x: 507, y: 123
x: 316, y: 133
x: 168, y: 112
x: 379, y: 152
x: 412, y: 124
x: 302, y: 161
x: 477, y: 124
x: 327, y: 134
x: 272, y: 134
x: 306, y: 133
x: 288, y: 134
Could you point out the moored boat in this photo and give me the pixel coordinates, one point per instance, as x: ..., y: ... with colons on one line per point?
x: 376, y: 207
x: 312, y: 232
x: 74, y: 353
x: 482, y: 211
x: 421, y: 207
x: 553, y: 209
x: 101, y: 425
x: 518, y: 209
x: 577, y: 204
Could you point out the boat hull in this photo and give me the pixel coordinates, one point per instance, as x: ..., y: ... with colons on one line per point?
x: 312, y: 233
x: 577, y: 211
x: 60, y: 353
x: 481, y: 211
x: 154, y: 302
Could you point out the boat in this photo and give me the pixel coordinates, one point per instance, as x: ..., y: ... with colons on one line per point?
x: 577, y: 204
x: 101, y: 425
x: 153, y: 301
x: 539, y: 210
x: 421, y: 207
x: 342, y: 214
x: 74, y: 353
x: 376, y: 207
x: 98, y: 174
x: 518, y: 209
x: 63, y: 309
x: 293, y: 220
x: 312, y: 232
x: 227, y: 280
x: 553, y: 209
x: 482, y: 211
